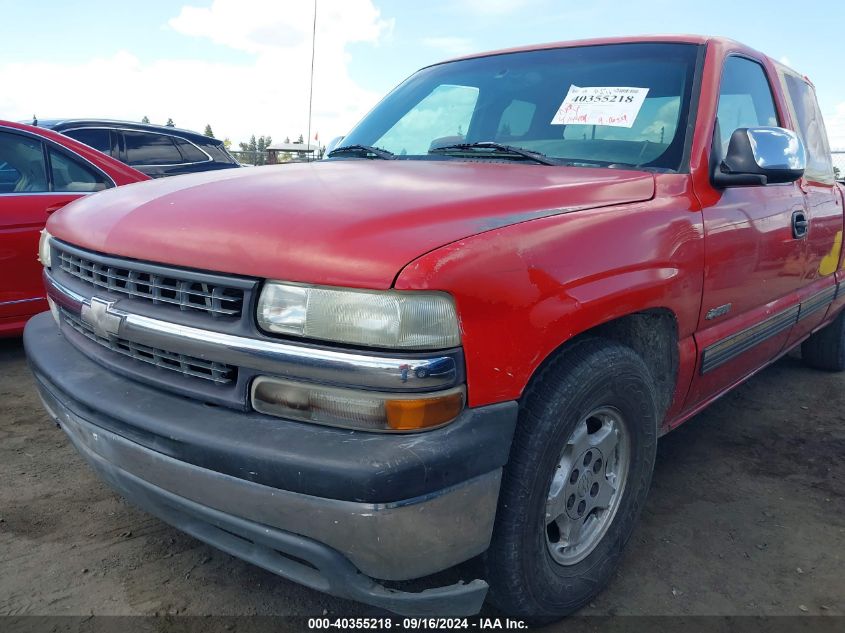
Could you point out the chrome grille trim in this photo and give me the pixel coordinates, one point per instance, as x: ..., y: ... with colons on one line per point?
x: 215, y: 299
x: 219, y: 373
x: 412, y: 372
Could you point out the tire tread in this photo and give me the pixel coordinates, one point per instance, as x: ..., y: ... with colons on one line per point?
x: 568, y: 373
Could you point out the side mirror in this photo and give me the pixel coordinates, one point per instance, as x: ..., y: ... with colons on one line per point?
x: 761, y: 156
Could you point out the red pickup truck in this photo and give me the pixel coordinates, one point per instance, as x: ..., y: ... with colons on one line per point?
x: 462, y: 334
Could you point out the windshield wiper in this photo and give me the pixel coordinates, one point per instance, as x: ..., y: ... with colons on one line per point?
x: 363, y: 149
x: 496, y: 148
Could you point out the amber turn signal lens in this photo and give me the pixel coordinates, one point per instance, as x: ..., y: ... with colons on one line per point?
x: 355, y: 409
x: 423, y: 413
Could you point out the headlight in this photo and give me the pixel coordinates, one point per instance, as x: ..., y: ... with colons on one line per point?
x: 44, y: 248
x: 391, y: 319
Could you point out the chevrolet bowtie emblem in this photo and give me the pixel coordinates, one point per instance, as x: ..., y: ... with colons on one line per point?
x: 98, y: 316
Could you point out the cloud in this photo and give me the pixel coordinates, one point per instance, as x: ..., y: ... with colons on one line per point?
x: 267, y: 94
x: 450, y: 45
x: 270, y: 26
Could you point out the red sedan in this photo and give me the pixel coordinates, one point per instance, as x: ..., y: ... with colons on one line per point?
x: 40, y: 172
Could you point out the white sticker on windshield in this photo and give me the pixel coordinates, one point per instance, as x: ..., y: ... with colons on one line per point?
x: 600, y: 106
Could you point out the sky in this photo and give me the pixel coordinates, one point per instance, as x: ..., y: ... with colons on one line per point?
x: 243, y: 66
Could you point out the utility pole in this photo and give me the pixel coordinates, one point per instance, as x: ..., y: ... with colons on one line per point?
x: 311, y: 88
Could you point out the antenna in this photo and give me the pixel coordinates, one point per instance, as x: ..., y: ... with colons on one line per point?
x: 311, y: 87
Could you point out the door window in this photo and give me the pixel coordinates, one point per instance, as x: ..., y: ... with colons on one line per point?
x: 70, y: 175
x: 97, y: 138
x: 745, y: 99
x: 22, y: 168
x: 143, y: 148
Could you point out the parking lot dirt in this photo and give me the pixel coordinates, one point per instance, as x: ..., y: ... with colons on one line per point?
x: 746, y: 516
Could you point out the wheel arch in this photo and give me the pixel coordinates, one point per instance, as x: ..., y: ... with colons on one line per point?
x: 651, y: 333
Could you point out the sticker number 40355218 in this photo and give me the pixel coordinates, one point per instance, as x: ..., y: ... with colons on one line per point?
x: 616, y: 106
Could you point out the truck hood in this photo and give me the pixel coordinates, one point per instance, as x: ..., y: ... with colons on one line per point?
x: 350, y: 223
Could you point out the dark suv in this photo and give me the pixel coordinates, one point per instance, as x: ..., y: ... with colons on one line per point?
x: 155, y: 150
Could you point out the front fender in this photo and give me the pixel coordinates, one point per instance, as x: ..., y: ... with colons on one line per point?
x: 524, y: 290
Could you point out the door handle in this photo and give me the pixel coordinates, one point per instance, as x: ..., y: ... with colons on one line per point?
x: 55, y: 207
x: 800, y: 225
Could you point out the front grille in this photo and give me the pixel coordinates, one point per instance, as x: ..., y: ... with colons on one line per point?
x: 186, y: 365
x: 215, y: 299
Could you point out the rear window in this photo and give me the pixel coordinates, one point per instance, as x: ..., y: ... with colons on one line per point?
x: 805, y: 111
x: 218, y: 153
x: 190, y: 152
x: 143, y: 148
x: 516, y: 120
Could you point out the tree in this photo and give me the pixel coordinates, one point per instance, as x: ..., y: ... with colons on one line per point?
x: 146, y: 119
x: 301, y: 140
x: 261, y: 146
x: 287, y: 139
x: 227, y: 143
x: 208, y: 131
x: 170, y: 123
x: 260, y: 154
x: 837, y: 173
x: 255, y: 151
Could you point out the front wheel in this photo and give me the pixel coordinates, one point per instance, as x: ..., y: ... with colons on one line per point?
x: 578, y: 476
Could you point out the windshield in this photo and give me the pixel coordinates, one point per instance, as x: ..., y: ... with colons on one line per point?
x: 612, y: 105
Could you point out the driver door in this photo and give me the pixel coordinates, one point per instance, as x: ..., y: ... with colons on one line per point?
x: 754, y: 258
x: 26, y: 201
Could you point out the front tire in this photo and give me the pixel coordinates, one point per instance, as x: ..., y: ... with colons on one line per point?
x: 579, y: 472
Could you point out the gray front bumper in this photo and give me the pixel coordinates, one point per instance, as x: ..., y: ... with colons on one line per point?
x: 278, y: 529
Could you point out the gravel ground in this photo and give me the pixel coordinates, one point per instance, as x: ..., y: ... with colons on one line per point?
x: 746, y: 516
